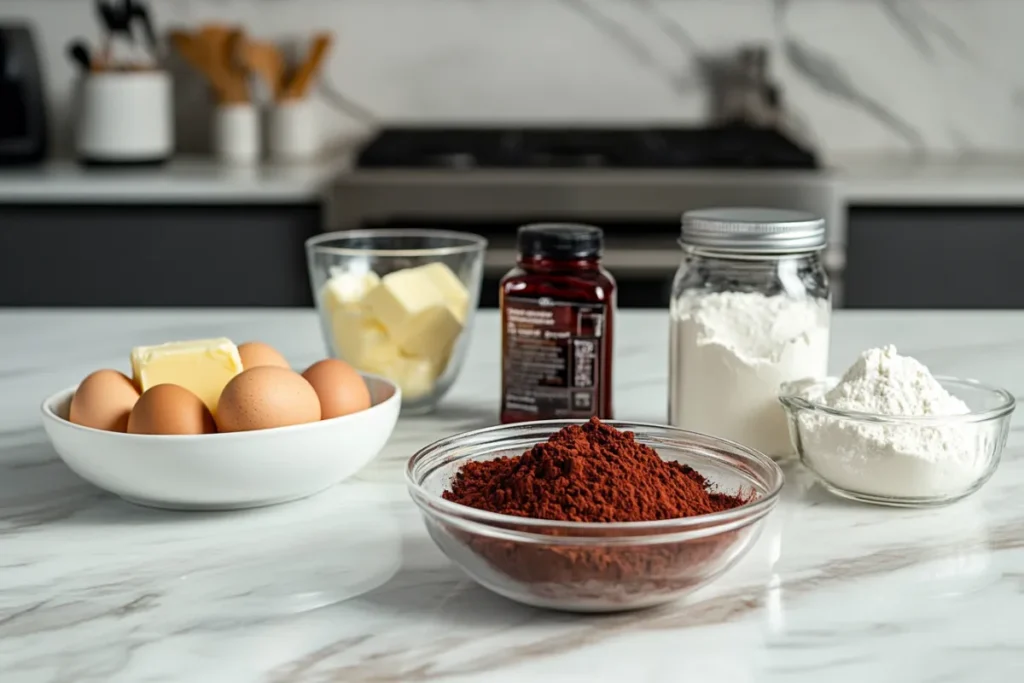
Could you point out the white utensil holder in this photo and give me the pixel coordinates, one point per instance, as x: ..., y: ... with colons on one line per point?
x: 236, y: 133
x: 125, y: 117
x: 293, y: 131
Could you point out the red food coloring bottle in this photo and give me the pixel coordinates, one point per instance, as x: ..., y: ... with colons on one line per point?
x: 557, y: 319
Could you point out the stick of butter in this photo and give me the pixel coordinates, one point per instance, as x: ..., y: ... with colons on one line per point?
x: 203, y: 366
x: 361, y: 341
x: 415, y: 376
x: 403, y: 326
x: 450, y: 286
x: 347, y: 290
x: 416, y: 314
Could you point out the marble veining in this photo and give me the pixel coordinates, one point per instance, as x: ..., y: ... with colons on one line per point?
x: 912, y: 76
x: 346, y: 586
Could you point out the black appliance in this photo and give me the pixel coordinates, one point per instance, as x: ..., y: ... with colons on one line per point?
x: 24, y: 136
x: 733, y: 146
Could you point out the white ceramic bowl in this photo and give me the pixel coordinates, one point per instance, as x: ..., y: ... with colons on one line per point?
x: 225, y: 471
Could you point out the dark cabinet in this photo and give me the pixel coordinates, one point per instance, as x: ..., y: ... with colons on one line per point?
x: 149, y: 255
x: 934, y: 257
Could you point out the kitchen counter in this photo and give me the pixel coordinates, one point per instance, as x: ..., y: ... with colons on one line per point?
x: 874, y: 180
x: 346, y: 586
x: 183, y: 180
x: 899, y: 181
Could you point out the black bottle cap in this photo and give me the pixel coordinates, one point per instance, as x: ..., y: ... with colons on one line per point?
x: 560, y: 241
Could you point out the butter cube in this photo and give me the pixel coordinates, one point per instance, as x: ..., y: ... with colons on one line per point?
x: 450, y: 286
x: 347, y: 290
x: 415, y: 376
x: 203, y: 366
x: 413, y: 311
x: 361, y: 341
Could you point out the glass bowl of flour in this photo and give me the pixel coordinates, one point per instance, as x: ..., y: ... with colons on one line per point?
x: 891, y: 433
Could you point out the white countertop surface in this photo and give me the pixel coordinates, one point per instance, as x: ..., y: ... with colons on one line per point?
x: 194, y: 180
x: 874, y: 180
x: 880, y: 180
x: 347, y: 586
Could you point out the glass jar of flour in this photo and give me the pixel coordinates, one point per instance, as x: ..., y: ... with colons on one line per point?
x: 750, y: 310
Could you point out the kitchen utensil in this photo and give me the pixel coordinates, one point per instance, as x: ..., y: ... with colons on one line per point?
x: 298, y: 86
x: 552, y: 564
x: 118, y: 46
x: 210, y: 51
x: 237, y: 74
x: 138, y: 14
x: 224, y: 471
x: 357, y: 252
x: 80, y: 54
x: 190, y: 49
x: 219, y: 43
x: 107, y: 20
x: 265, y: 60
x: 125, y: 117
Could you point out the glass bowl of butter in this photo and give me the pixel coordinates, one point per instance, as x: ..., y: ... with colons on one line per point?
x: 399, y: 304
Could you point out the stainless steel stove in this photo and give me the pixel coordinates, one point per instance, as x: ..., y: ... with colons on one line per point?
x: 461, y: 149
x: 634, y: 182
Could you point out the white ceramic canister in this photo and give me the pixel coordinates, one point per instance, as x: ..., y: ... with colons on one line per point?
x: 125, y: 117
x: 293, y: 131
x: 236, y: 133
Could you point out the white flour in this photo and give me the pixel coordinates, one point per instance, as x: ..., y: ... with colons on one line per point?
x: 730, y: 352
x: 892, y: 460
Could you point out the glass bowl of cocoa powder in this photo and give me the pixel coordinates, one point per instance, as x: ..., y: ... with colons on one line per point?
x: 592, y: 517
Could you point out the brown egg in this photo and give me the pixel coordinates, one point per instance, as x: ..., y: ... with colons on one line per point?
x: 340, y: 388
x: 255, y: 354
x: 266, y: 397
x: 104, y: 400
x: 170, y: 409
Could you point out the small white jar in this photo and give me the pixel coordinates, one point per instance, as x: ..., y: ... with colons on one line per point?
x: 236, y: 133
x: 293, y: 131
x: 750, y: 310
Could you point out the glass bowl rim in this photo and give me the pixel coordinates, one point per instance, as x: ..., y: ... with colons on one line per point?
x: 468, y: 242
x: 794, y: 402
x: 774, y: 482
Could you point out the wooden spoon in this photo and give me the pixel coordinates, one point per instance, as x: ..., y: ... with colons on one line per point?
x: 265, y: 60
x: 196, y: 50
x: 298, y: 86
x: 221, y: 43
x: 191, y: 50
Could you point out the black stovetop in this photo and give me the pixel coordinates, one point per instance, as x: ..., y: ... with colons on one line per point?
x: 736, y: 147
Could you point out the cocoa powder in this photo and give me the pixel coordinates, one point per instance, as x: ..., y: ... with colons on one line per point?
x: 594, y: 473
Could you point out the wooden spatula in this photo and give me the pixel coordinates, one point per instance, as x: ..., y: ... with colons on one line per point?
x: 265, y: 60
x: 220, y: 41
x: 300, y: 83
x: 207, y: 52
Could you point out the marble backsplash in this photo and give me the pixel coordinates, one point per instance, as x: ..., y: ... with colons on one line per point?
x: 888, y: 76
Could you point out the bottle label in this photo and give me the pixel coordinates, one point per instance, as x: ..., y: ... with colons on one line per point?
x: 551, y: 356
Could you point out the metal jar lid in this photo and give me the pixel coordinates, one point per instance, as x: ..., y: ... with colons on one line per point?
x: 753, y: 230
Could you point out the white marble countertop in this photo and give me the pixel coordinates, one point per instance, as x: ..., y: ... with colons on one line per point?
x: 196, y: 180
x: 346, y: 586
x: 873, y: 180
x: 894, y: 180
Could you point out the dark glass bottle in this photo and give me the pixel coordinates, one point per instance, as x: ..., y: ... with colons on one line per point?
x: 557, y: 320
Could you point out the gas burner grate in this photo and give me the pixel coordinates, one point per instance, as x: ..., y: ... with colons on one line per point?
x: 576, y: 148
